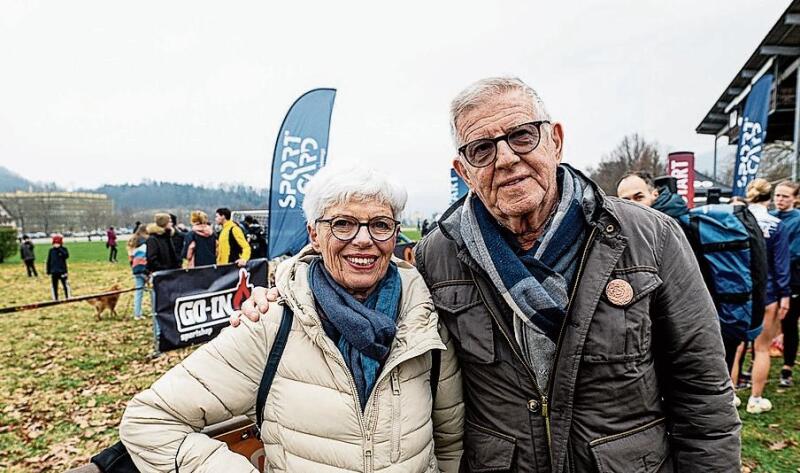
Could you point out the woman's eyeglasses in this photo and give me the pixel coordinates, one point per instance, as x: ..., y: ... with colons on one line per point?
x: 346, y: 228
x: 522, y: 139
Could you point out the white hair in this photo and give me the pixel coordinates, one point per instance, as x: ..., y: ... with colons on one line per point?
x: 476, y: 93
x: 333, y: 185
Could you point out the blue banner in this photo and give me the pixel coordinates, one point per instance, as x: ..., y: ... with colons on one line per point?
x: 458, y: 188
x: 752, y: 134
x: 300, y: 151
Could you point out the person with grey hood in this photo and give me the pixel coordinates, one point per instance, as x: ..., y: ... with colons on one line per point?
x: 587, y: 339
x: 28, y: 256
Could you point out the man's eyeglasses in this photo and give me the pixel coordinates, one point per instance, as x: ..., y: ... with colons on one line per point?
x: 346, y: 228
x: 522, y: 139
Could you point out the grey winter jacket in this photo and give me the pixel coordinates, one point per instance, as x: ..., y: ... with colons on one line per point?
x: 636, y: 387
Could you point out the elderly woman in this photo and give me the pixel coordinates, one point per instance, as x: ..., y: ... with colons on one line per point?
x: 352, y: 390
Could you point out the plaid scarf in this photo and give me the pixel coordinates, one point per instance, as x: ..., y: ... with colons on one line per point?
x: 534, y: 283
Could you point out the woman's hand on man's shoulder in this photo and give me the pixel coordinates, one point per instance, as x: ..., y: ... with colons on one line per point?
x: 256, y: 305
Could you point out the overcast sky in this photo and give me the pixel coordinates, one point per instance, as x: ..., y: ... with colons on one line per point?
x: 95, y: 92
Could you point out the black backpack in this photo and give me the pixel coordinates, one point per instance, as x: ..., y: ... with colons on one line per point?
x: 115, y: 459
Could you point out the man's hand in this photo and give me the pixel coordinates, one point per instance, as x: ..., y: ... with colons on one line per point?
x: 241, y: 262
x: 255, y: 305
x: 783, y: 307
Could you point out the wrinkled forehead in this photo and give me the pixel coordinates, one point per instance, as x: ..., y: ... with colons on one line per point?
x: 491, y: 115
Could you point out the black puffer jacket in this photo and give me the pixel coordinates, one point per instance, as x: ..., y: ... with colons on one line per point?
x: 160, y: 251
x: 640, y: 387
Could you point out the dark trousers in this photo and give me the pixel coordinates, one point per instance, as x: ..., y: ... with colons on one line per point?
x: 730, y: 345
x: 54, y: 279
x: 31, y: 268
x: 112, y: 253
x: 789, y: 326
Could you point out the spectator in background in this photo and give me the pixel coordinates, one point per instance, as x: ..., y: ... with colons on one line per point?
x: 638, y: 187
x: 200, y: 244
x: 256, y: 237
x: 178, y: 235
x: 111, y: 244
x: 160, y: 256
x: 785, y: 198
x: 759, y: 193
x: 57, y: 266
x: 425, y: 230
x: 136, y: 226
x: 137, y: 256
x: 233, y: 246
x: 28, y: 256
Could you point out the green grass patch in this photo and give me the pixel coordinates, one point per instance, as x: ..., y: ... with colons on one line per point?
x: 79, y: 252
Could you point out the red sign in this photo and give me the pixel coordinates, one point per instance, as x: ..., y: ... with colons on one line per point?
x: 681, y: 167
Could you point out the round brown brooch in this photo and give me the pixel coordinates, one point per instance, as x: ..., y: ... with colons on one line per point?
x: 619, y: 292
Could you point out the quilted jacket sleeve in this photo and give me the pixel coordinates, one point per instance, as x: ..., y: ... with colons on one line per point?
x: 161, y: 425
x: 448, y: 409
x: 698, y: 394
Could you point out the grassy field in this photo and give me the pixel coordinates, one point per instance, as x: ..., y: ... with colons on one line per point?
x: 65, y: 377
x: 79, y: 252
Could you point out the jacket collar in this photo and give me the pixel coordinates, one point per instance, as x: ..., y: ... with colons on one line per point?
x: 417, y: 321
x: 605, y: 213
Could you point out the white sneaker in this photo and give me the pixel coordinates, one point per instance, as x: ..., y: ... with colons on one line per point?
x: 757, y: 406
x: 736, y: 401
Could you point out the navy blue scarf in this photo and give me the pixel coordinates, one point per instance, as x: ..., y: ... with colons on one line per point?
x: 363, y: 331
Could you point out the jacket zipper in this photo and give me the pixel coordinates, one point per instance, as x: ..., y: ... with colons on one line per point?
x: 396, y: 431
x: 361, y: 421
x: 366, y: 432
x: 545, y: 410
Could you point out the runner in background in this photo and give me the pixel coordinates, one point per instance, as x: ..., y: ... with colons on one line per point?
x: 785, y: 198
x: 759, y: 193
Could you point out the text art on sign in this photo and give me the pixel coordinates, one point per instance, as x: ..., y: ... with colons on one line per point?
x: 681, y: 167
x: 194, y: 305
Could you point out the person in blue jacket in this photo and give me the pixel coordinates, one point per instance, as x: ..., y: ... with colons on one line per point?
x: 785, y: 198
x: 759, y: 194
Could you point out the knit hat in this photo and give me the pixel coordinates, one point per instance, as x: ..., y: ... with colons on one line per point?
x: 162, y: 219
x: 58, y: 239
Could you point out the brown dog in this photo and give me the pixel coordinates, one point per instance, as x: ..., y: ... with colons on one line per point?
x: 102, y: 303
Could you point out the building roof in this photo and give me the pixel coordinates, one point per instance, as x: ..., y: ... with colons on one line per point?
x: 779, y: 48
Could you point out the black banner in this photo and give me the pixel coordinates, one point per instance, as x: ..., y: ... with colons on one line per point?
x: 194, y: 305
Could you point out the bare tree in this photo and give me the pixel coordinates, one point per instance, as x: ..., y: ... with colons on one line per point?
x: 633, y: 153
x: 775, y: 166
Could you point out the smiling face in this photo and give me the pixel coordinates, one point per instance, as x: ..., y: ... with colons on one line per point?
x: 784, y: 198
x: 515, y: 186
x: 357, y: 265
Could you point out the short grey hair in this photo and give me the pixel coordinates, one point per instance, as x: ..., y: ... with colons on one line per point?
x: 333, y: 185
x: 476, y: 93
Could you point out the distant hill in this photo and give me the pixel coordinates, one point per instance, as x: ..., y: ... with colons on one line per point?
x: 171, y: 196
x: 11, y: 181
x: 139, y: 201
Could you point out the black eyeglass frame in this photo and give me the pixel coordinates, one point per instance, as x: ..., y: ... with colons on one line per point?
x: 538, y: 124
x: 361, y: 224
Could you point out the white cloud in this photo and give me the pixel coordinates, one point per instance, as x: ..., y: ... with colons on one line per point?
x: 97, y: 92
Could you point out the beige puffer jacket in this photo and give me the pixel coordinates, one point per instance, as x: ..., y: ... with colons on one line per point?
x: 312, y: 420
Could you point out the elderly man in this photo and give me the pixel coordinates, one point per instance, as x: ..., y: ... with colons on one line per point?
x: 586, y: 337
